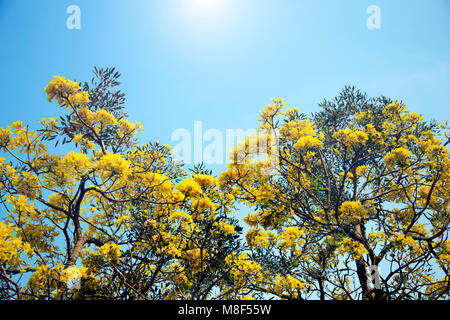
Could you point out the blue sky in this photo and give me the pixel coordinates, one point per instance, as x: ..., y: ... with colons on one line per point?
x: 221, y: 61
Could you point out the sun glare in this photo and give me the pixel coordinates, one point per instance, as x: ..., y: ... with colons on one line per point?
x: 208, y: 7
x: 206, y: 2
x: 210, y: 14
x: 194, y: 20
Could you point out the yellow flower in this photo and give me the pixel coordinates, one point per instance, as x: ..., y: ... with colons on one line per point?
x: 272, y: 110
x: 190, y: 187
x: 303, y: 133
x: 353, y: 211
x: 185, y: 220
x: 79, y: 98
x: 354, y: 248
x: 113, y: 164
x: 288, y: 284
x: 288, y: 236
x: 258, y: 238
x: 127, y: 128
x: 243, y: 267
x: 361, y: 170
x: 307, y: 142
x: 103, y: 118
x: 110, y: 251
x: 351, y: 138
x: 78, y: 138
x: 61, y: 89
x: 75, y: 162
x: 5, y: 136
x: 11, y: 246
x: 205, y: 180
x: 228, y: 228
x: 399, y: 155
x: 251, y: 219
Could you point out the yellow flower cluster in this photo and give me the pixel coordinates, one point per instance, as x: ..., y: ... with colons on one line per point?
x: 444, y: 260
x: 113, y: 164
x: 290, y: 237
x: 393, y: 108
x: 226, y: 227
x: 205, y: 180
x: 22, y: 139
x: 50, y: 125
x: 258, y: 238
x: 361, y: 170
x: 110, y: 251
x: 397, y: 156
x: 203, y: 204
x: 11, y: 247
x: 375, y: 237
x: 252, y: 219
x: 196, y: 258
x: 194, y: 254
x: 254, y: 145
x: 63, y: 90
x: 85, y: 144
x: 354, y: 248
x: 303, y: 133
x: 28, y: 184
x: 98, y: 120
x: 351, y: 138
x: 242, y: 268
x: 47, y: 279
x: 103, y: 118
x: 43, y: 277
x: 264, y: 193
x: 79, y: 98
x: 127, y: 128
x: 5, y: 136
x: 74, y: 162
x: 179, y: 275
x: 288, y: 285
x: 438, y: 289
x: 185, y: 220
x: 353, y: 211
x: 190, y: 187
x: 156, y: 180
x: 272, y: 110
x: 403, y: 240
x: 373, y: 133
x: 21, y: 205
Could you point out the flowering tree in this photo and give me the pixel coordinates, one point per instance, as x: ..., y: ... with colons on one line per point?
x: 112, y: 219
x: 358, y: 189
x: 355, y: 205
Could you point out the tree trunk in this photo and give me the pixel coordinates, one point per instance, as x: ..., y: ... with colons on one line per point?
x: 70, y: 263
x: 361, y: 268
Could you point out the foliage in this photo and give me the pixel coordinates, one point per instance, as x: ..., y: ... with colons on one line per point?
x: 361, y: 183
x: 123, y: 215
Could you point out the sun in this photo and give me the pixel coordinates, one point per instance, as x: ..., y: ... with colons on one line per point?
x: 202, y: 18
x: 205, y: 12
x: 207, y: 6
x: 206, y: 2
